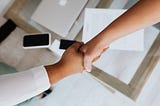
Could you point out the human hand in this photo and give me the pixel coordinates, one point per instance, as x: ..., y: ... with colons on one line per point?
x: 92, y: 51
x: 72, y: 60
x: 70, y: 63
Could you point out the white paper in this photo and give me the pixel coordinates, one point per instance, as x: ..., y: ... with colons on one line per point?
x: 97, y: 19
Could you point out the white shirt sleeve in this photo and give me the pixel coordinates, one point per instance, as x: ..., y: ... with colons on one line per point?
x: 18, y: 87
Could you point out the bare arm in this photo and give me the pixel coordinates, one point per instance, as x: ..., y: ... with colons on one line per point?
x: 142, y: 14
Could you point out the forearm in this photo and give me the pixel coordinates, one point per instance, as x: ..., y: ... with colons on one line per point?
x: 54, y: 73
x: 141, y: 15
x: 58, y: 71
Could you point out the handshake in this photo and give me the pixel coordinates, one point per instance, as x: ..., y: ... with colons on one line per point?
x: 71, y: 62
x: 72, y: 59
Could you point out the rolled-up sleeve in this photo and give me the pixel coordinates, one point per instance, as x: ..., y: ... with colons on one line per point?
x: 18, y: 87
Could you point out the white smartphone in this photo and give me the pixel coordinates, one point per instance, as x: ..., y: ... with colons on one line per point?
x: 36, y: 40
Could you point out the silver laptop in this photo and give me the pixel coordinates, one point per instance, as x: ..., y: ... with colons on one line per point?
x: 58, y: 15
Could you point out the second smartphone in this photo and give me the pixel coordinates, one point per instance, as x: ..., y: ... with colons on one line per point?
x: 36, y: 40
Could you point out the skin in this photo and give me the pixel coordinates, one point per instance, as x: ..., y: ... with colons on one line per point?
x: 142, y: 14
x: 70, y: 63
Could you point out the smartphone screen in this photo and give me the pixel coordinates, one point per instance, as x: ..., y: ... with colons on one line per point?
x: 36, y: 40
x: 64, y: 44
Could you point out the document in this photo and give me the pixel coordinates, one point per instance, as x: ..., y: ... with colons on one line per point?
x: 98, y: 19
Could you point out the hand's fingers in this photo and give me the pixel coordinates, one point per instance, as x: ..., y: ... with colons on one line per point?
x: 95, y: 59
x: 88, y: 63
x: 87, y: 59
x: 76, y: 45
x: 104, y: 50
x: 83, y: 49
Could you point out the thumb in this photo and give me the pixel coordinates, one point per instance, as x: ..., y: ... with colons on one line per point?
x: 83, y: 48
x: 76, y: 46
x: 88, y: 63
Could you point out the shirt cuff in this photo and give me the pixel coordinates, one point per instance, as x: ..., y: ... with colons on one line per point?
x: 41, y: 78
x: 20, y: 86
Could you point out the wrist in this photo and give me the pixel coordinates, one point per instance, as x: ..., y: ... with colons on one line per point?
x: 102, y: 42
x: 106, y: 37
x: 55, y: 73
x: 67, y: 69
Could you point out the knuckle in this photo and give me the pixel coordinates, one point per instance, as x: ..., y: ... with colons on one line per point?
x: 76, y: 44
x: 89, y: 54
x: 83, y: 49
